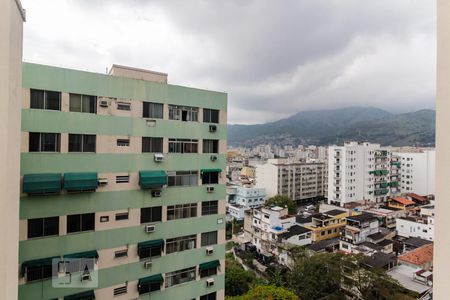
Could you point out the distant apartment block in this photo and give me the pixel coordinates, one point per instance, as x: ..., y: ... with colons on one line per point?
x: 245, y: 198
x: 418, y: 226
x: 300, y: 181
x: 361, y: 171
x: 128, y: 171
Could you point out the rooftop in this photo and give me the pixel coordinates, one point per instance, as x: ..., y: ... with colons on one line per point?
x: 379, y: 260
x: 403, y: 274
x: 376, y: 236
x: 334, y: 212
x: 416, y: 242
x: 419, y: 256
x: 295, y: 230
x: 364, y: 217
x: 417, y: 197
x: 403, y: 201
x: 323, y: 244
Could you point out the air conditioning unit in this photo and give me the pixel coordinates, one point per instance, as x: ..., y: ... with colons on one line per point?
x: 209, y: 282
x: 159, y: 157
x: 148, y: 264
x: 156, y: 193
x: 86, y: 276
x: 102, y: 181
x: 210, y: 189
x: 104, y: 103
x: 213, y: 157
x: 150, y: 228
x: 209, y: 251
x: 212, y: 128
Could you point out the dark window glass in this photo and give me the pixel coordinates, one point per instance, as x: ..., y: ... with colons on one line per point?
x: 83, y: 103
x: 43, y: 227
x: 210, y: 178
x: 183, y: 146
x: 149, y: 287
x: 38, y: 273
x: 36, y: 99
x: 88, y: 222
x: 210, y: 146
x: 123, y: 142
x: 181, y: 211
x: 210, y: 207
x: 45, y: 99
x: 53, y: 100
x: 75, y: 142
x: 78, y: 223
x: 210, y: 115
x: 209, y: 238
x: 208, y: 272
x: 123, y: 106
x: 182, y: 178
x: 73, y: 223
x: 181, y: 243
x: 34, y: 141
x: 151, y: 214
x: 44, y: 142
x: 89, y: 143
x: 121, y: 216
x: 211, y: 296
x: 152, y: 144
x: 153, y: 110
x: 150, y: 252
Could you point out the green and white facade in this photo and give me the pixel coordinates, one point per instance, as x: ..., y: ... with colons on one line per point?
x: 127, y: 170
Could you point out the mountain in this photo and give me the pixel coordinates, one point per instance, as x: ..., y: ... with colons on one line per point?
x: 334, y: 126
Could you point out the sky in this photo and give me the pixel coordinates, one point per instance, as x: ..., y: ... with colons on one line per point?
x: 273, y: 58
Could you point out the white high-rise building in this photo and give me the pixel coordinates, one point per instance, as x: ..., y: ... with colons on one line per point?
x: 417, y: 171
x: 361, y: 171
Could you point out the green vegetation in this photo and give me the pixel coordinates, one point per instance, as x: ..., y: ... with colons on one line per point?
x: 266, y: 292
x: 237, y: 280
x: 282, y: 201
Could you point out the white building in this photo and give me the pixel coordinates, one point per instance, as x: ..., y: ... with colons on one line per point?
x: 361, y: 171
x: 420, y: 227
x: 300, y: 181
x: 246, y: 198
x: 357, y: 230
x: 417, y: 171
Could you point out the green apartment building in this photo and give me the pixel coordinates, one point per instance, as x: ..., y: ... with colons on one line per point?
x: 125, y: 171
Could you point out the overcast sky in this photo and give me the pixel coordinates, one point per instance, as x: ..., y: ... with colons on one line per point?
x: 273, y: 58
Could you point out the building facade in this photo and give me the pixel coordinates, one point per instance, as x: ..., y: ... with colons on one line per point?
x: 360, y: 171
x: 246, y: 198
x: 12, y: 17
x: 300, y: 181
x: 126, y: 170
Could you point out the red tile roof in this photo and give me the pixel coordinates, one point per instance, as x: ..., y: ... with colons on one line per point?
x: 419, y: 256
x: 403, y: 201
x: 418, y: 197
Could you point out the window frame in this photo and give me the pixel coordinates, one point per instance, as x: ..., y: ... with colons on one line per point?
x: 83, y: 143
x: 179, y: 178
x: 208, y: 115
x: 92, y: 106
x: 44, y: 222
x: 149, y: 111
x: 41, y: 142
x: 210, y: 207
x: 182, y: 211
x: 180, y: 276
x: 207, y: 239
x: 210, y: 146
x: 180, y: 244
x: 183, y: 146
x: 45, y: 105
x: 150, y: 143
x: 81, y: 222
x: 154, y: 216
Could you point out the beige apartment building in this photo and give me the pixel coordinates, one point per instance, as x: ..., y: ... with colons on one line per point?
x: 12, y: 17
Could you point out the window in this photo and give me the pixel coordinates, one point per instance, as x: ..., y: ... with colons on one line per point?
x: 151, y: 214
x: 182, y: 178
x: 45, y: 99
x: 180, y: 276
x: 104, y: 219
x: 210, y: 178
x: 82, y: 143
x: 79, y: 223
x: 148, y: 252
x: 208, y: 272
x: 123, y: 142
x: 39, y: 272
x: 121, y: 253
x: 44, y: 142
x: 120, y: 290
x: 181, y: 243
x: 123, y: 106
x: 210, y: 207
x: 183, y: 146
x: 181, y: 211
x: 210, y: 115
x: 183, y: 113
x: 210, y: 296
x: 210, y: 146
x: 121, y: 216
x: 122, y: 178
x: 153, y: 110
x: 83, y: 103
x: 152, y: 144
x: 209, y: 238
x: 149, y: 287
x: 43, y: 227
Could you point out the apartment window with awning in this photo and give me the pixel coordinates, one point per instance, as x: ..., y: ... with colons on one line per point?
x: 78, y: 182
x: 37, y: 269
x: 42, y: 183
x: 89, y: 295
x: 209, y: 268
x: 150, y: 284
x: 152, y: 179
x: 210, y: 176
x: 152, y: 248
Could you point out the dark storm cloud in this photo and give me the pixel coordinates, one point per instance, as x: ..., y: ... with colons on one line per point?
x: 274, y: 58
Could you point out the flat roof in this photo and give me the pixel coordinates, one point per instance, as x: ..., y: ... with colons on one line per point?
x: 295, y: 230
x: 334, y: 212
x: 364, y: 217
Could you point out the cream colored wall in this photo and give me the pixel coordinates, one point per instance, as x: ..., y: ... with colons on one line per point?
x: 134, y: 215
x: 108, y: 144
x: 442, y: 238
x: 108, y: 260
x: 107, y: 293
x: 11, y: 32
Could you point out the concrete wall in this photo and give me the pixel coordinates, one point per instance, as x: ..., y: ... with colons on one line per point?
x: 11, y: 30
x: 442, y: 238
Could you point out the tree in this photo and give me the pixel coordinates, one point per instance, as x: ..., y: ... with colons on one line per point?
x: 237, y: 280
x: 282, y: 201
x: 267, y: 292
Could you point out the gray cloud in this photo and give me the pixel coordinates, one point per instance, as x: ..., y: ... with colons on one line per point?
x: 274, y: 58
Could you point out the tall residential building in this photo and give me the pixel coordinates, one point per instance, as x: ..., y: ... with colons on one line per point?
x: 441, y: 236
x: 126, y: 171
x: 245, y: 198
x: 418, y: 168
x: 361, y: 171
x: 300, y: 181
x: 12, y: 17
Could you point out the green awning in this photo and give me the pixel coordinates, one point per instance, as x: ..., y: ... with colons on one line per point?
x: 150, y: 244
x: 80, y: 181
x: 89, y: 295
x: 37, y: 263
x: 152, y: 179
x: 42, y: 183
x: 210, y: 170
x: 151, y: 279
x: 86, y: 254
x: 384, y: 172
x: 209, y: 265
